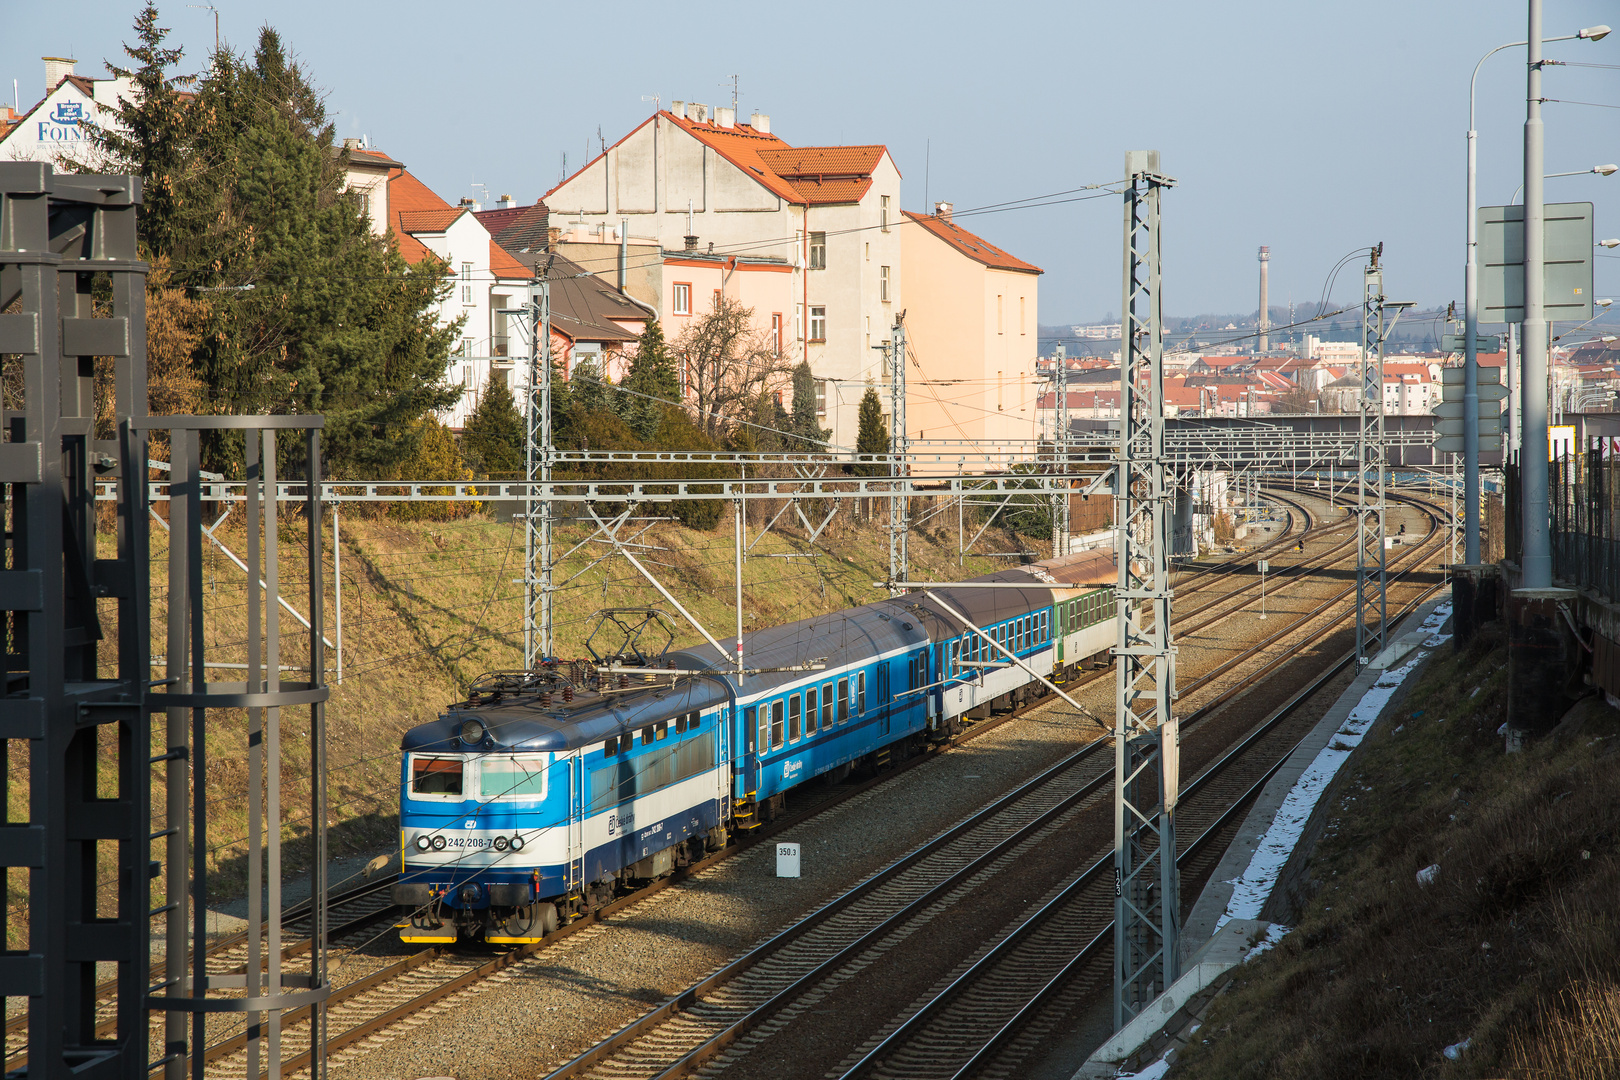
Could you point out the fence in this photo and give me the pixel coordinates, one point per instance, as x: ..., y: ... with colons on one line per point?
x: 1584, y: 501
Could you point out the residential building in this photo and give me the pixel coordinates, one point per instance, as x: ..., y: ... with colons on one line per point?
x: 484, y: 278
x: 972, y: 315
x: 53, y: 130
x: 697, y: 182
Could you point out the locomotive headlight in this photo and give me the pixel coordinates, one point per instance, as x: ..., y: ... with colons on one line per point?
x: 438, y: 843
x: 517, y: 843
x: 500, y: 843
x: 423, y: 842
x: 472, y: 731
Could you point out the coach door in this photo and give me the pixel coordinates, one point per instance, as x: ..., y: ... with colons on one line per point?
x: 576, y: 820
x: 935, y: 679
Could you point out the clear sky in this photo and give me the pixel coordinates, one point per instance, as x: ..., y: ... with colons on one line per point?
x: 1314, y: 128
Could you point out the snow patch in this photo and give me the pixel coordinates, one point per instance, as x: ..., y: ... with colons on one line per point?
x: 1152, y: 1072
x: 1274, y: 933
x: 1249, y: 892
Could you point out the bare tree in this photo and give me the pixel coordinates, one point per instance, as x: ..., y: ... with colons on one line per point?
x: 729, y: 363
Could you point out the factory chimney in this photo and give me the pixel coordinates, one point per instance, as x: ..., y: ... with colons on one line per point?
x: 1263, y: 344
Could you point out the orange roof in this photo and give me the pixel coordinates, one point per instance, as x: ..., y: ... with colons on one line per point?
x: 806, y: 175
x: 974, y: 247
x: 503, y: 265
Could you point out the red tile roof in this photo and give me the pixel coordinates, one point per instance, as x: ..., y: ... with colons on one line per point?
x: 499, y: 219
x: 805, y: 175
x: 973, y: 246
x: 415, y: 208
x: 503, y: 265
x: 373, y: 157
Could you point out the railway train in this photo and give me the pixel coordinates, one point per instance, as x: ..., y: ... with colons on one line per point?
x: 544, y: 792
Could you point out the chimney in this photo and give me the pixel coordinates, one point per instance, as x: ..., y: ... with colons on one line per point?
x: 942, y: 210
x: 697, y: 113
x: 677, y: 108
x: 624, y: 252
x: 553, y: 234
x: 691, y: 243
x: 505, y: 203
x: 760, y: 122
x: 351, y: 144
x: 725, y: 116
x: 57, y: 68
x: 1265, y: 319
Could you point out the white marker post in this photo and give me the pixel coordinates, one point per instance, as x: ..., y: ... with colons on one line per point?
x: 787, y: 860
x: 1262, y: 566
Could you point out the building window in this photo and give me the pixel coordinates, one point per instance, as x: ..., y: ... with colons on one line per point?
x: 776, y: 332
x: 683, y: 298
x: 883, y: 284
x: 883, y: 209
x: 818, y: 251
x: 466, y: 271
x: 717, y: 300
x: 868, y: 252
x: 466, y: 294
x: 777, y: 395
x: 818, y: 324
x: 1020, y: 314
x: 466, y: 346
x: 821, y: 398
x: 364, y: 198
x: 1001, y: 322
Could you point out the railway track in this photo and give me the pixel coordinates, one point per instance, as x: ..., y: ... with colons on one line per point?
x: 758, y: 993
x: 417, y: 981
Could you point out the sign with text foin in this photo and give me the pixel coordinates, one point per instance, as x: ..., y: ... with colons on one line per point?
x: 1566, y: 268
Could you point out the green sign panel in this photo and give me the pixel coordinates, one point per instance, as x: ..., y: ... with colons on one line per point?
x: 1567, y: 262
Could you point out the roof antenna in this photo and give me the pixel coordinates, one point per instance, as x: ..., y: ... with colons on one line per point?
x: 734, y: 79
x: 658, y: 103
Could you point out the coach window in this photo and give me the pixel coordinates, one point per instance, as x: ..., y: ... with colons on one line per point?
x: 843, y: 700
x: 648, y: 734
x: 810, y: 711
x: 762, y: 742
x: 661, y: 729
x: 860, y: 693
x: 826, y: 705
x: 776, y: 725
x: 435, y: 776
x: 793, y: 718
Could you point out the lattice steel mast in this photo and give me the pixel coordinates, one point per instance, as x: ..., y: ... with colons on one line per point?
x: 899, y: 504
x: 538, y: 643
x: 1372, y: 463
x: 1061, y: 526
x: 1146, y: 914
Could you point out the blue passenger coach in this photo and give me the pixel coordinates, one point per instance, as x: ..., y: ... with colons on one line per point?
x: 543, y: 793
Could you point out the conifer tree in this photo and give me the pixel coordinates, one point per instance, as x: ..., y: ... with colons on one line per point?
x: 310, y: 311
x: 873, y: 434
x: 811, y: 435
x: 492, y: 441
x: 651, y: 376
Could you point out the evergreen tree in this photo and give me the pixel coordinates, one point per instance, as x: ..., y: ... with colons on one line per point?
x: 314, y: 313
x: 493, y: 439
x: 811, y: 435
x: 873, y: 435
x: 651, y: 375
x: 150, y: 136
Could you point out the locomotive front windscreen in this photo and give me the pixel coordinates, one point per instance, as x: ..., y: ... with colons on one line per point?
x: 436, y: 775
x: 513, y: 777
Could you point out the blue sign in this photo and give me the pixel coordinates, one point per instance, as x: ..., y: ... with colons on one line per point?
x: 63, y: 123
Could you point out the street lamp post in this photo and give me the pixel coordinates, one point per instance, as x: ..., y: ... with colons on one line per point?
x: 1471, y: 294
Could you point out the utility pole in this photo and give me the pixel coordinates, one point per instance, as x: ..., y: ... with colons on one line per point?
x: 899, y: 505
x: 538, y: 643
x: 1372, y: 465
x: 1146, y: 737
x: 1060, y: 448
x: 1537, y: 559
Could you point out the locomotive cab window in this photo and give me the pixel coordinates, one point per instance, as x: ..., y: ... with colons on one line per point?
x: 436, y: 776
x: 522, y: 776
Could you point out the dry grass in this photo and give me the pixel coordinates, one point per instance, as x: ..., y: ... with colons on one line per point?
x: 1381, y: 974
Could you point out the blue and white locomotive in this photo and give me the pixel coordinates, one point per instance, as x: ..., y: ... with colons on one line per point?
x: 538, y: 797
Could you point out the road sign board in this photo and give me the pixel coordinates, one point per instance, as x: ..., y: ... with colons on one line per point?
x: 1456, y: 343
x: 1567, y: 262
x: 1453, y: 444
x: 1488, y: 425
x: 1456, y: 375
x: 1453, y: 410
x: 1486, y: 392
